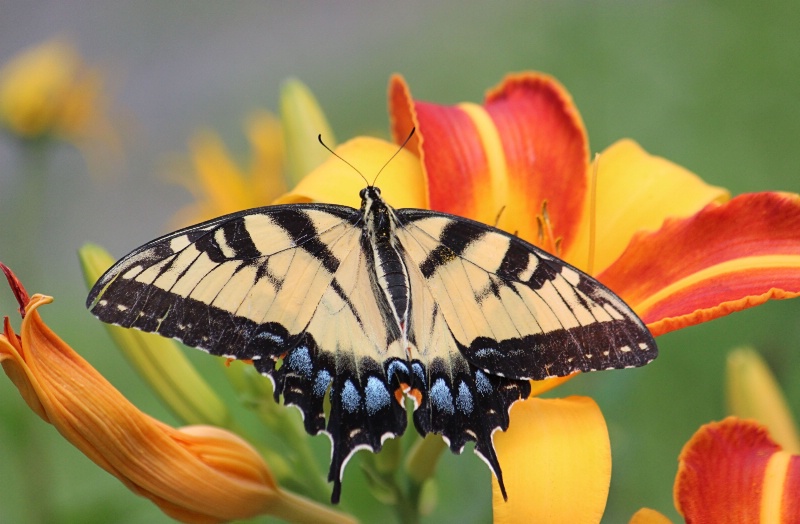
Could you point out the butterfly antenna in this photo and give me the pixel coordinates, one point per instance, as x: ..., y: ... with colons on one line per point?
x: 593, y: 213
x: 403, y: 145
x: 331, y: 151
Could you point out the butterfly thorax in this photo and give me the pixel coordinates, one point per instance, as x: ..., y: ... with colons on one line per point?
x: 390, y: 273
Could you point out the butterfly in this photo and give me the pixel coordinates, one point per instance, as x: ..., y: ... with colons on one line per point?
x: 371, y: 307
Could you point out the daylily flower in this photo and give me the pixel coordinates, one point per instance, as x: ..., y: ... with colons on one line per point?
x: 753, y: 393
x: 677, y: 250
x: 197, y: 474
x: 48, y: 90
x: 745, y: 468
x: 733, y: 471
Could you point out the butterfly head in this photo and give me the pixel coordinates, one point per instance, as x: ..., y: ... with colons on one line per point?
x: 370, y: 196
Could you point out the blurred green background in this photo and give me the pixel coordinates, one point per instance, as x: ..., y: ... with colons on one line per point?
x: 713, y: 86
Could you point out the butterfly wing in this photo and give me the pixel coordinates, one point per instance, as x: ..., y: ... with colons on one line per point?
x: 282, y: 283
x: 517, y: 311
x: 489, y: 312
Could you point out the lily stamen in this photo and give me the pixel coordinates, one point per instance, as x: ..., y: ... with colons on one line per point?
x: 547, y: 239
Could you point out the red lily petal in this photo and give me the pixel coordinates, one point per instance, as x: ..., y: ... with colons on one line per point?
x: 734, y: 469
x: 527, y: 144
x: 546, y: 152
x: 725, y: 258
x: 451, y: 152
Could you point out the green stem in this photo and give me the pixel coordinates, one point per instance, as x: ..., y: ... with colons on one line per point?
x: 23, y: 221
x: 294, y: 508
x: 407, y: 508
x: 294, y: 436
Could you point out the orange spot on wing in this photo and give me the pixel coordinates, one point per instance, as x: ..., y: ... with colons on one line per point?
x: 398, y: 395
x: 417, y: 395
x: 400, y: 392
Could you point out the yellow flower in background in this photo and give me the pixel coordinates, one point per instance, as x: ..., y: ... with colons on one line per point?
x: 282, y: 153
x: 48, y: 90
x: 219, y: 185
x: 200, y: 473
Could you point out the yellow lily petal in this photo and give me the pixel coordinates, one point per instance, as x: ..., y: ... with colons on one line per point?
x: 553, y: 450
x: 649, y: 516
x: 265, y: 134
x: 541, y: 386
x: 634, y: 191
x: 334, y: 182
x: 753, y: 393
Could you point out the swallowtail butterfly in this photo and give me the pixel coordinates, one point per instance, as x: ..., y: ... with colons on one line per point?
x: 374, y: 305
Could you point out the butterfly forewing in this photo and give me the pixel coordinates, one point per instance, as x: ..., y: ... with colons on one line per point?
x: 515, y: 310
x: 219, y: 287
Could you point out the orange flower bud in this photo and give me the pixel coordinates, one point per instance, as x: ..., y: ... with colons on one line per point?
x: 197, y: 474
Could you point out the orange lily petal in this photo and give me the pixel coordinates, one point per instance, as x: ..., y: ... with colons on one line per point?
x: 335, y: 182
x: 726, y: 258
x: 734, y: 469
x: 526, y: 145
x: 553, y: 450
x: 197, y: 474
x: 634, y: 191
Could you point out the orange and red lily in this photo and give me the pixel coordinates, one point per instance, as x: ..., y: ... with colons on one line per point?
x: 676, y: 249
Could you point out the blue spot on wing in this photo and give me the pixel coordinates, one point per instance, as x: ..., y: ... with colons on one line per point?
x: 418, y: 371
x: 395, y: 367
x: 350, y: 397
x: 440, y: 396
x: 321, y: 383
x: 464, y: 399
x: 482, y: 383
x: 299, y: 360
x: 377, y: 397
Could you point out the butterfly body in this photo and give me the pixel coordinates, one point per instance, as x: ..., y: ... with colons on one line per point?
x: 374, y: 305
